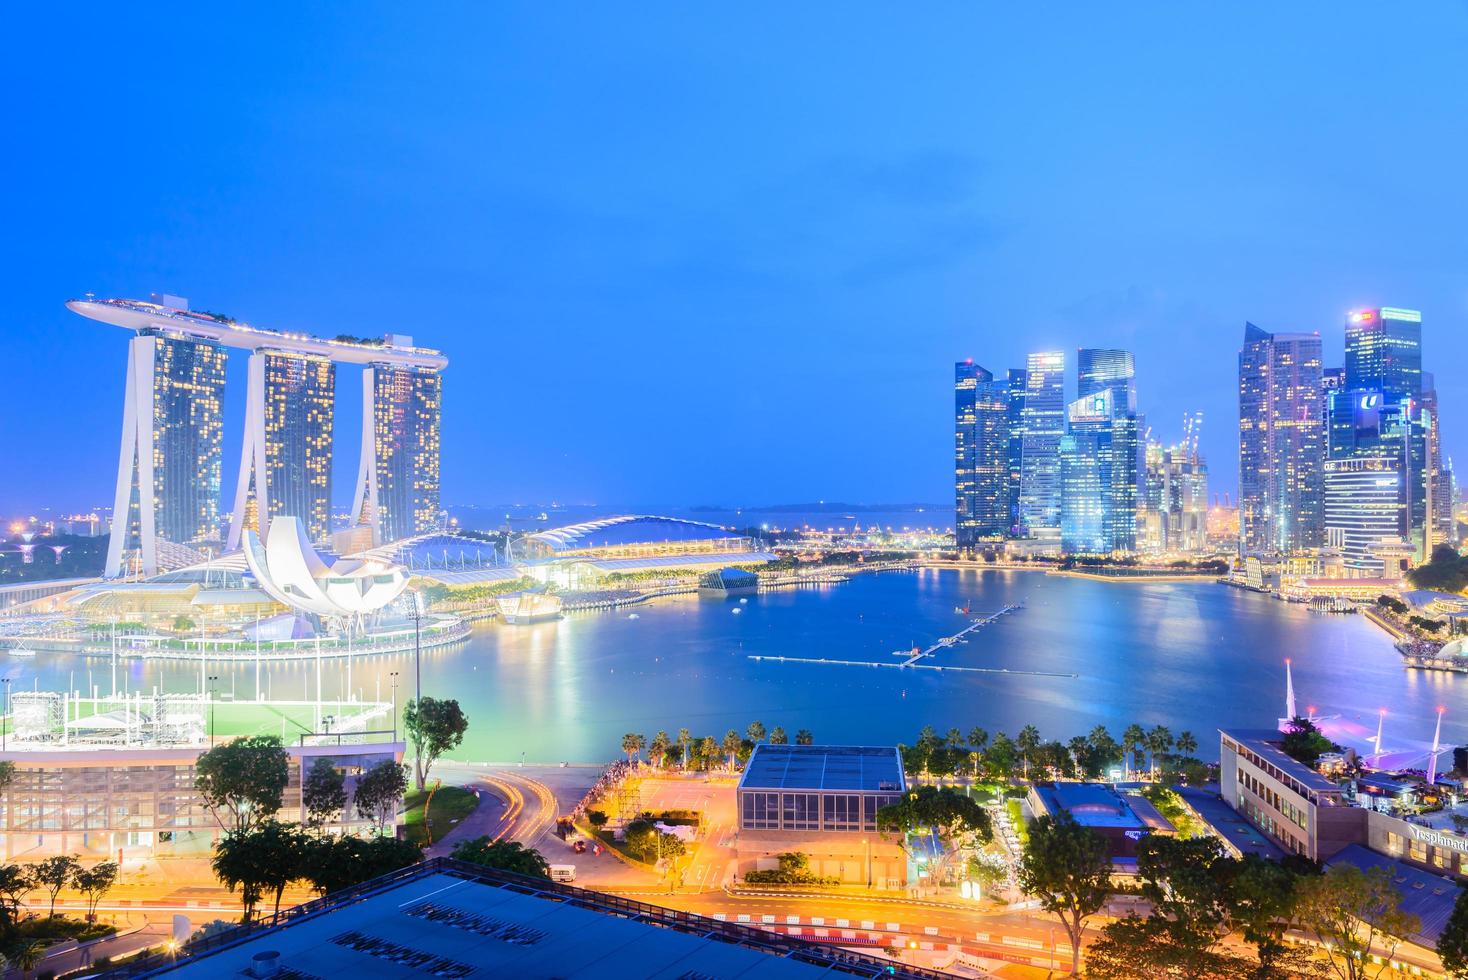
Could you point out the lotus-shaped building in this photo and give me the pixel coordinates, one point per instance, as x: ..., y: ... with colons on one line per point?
x: 291, y: 571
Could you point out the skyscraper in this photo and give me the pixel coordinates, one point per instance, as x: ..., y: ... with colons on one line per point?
x: 285, y: 470
x: 1042, y: 419
x: 1103, y: 370
x: 1365, y: 509
x: 1098, y: 475
x: 172, y: 438
x: 1384, y: 351
x: 981, y: 455
x: 1281, y: 442
x: 1018, y: 381
x: 398, y: 483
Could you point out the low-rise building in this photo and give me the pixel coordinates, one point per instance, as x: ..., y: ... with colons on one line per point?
x: 1122, y: 818
x: 821, y: 801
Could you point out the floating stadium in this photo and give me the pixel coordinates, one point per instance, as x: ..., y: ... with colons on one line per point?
x: 281, y: 597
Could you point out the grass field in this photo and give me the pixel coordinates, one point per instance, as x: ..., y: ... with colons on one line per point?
x: 450, y: 805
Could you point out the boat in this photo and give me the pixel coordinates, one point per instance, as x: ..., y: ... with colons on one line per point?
x: 23, y: 653
x: 523, y: 608
x: 737, y: 610
x: 633, y: 616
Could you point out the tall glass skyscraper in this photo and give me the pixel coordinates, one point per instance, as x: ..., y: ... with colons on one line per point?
x: 398, y: 485
x: 1108, y: 370
x: 1281, y: 442
x: 1098, y: 475
x: 172, y: 440
x: 1043, y: 421
x: 981, y: 455
x: 1384, y: 351
x: 285, y: 470
x: 1018, y: 381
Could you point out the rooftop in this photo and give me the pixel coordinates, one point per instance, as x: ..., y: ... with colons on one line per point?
x: 1424, y: 894
x: 1264, y: 742
x: 628, y: 529
x: 1227, y: 823
x: 1100, y: 805
x: 443, y: 918
x: 717, y: 558
x: 823, y: 767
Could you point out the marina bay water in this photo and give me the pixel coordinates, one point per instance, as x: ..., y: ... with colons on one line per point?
x: 1189, y: 655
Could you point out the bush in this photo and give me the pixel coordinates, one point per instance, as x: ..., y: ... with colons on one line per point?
x: 794, y: 870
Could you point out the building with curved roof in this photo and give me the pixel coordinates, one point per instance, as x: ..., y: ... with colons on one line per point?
x: 293, y: 573
x: 634, y: 536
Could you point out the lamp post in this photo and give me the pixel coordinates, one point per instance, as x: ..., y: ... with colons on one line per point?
x: 212, y: 679
x: 866, y: 842
x: 393, y: 676
x: 6, y: 724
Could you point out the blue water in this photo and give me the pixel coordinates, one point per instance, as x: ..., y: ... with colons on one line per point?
x: 1187, y: 655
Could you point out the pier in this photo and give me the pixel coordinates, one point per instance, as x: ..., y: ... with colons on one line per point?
x: 911, y: 663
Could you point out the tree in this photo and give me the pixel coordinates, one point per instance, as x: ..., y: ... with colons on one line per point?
x: 1066, y: 867
x: 1350, y: 911
x: 263, y: 860
x: 1133, y: 947
x: 804, y: 737
x: 1446, y: 571
x: 506, y: 855
x: 324, y: 793
x: 1261, y: 905
x: 53, y: 874
x: 15, y: 884
x: 182, y: 624
x: 778, y: 736
x: 658, y: 750
x: 1027, y: 741
x: 708, y: 748
x: 1133, y: 738
x: 336, y: 861
x: 685, y: 740
x: 731, y: 746
x: 1304, y: 743
x: 1000, y: 759
x: 755, y: 732
x: 245, y: 778
x: 379, y: 792
x: 94, y: 883
x: 643, y: 839
x: 1187, y: 742
x: 597, y: 818
x: 1452, y: 945
x: 1159, y: 741
x: 434, y: 726
x: 1186, y: 879
x: 27, y: 954
x: 949, y: 812
x: 632, y: 744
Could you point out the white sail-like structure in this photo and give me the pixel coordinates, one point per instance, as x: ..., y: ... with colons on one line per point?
x: 292, y: 572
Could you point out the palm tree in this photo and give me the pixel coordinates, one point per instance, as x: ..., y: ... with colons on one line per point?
x: 1079, y: 749
x: 658, y: 751
x: 732, y: 744
x: 755, y: 732
x: 1159, y: 741
x: 685, y: 739
x: 1132, y: 739
x: 1187, y: 744
x: 978, y: 740
x: 778, y: 736
x: 804, y: 737
x: 28, y: 955
x: 632, y: 744
x: 708, y: 750
x: 1028, y: 740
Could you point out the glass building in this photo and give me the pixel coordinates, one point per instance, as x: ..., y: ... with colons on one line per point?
x: 1108, y: 370
x: 1098, y: 476
x: 1018, y: 380
x: 981, y: 455
x: 168, y: 479
x: 1364, y: 509
x: 1042, y: 419
x: 406, y: 402
x: 1281, y: 442
x: 1384, y: 350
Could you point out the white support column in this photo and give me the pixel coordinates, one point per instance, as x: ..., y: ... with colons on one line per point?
x: 252, y: 457
x: 135, y: 462
x: 364, y: 499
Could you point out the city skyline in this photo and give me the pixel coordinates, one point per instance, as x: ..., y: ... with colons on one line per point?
x: 877, y: 228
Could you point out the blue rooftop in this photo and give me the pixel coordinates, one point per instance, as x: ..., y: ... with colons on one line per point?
x: 1229, y: 824
x: 1428, y: 896
x: 1100, y: 805
x: 859, y: 768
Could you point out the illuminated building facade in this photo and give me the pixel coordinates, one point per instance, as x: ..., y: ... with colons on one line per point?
x: 1042, y: 419
x: 981, y: 455
x: 398, y: 484
x: 1384, y: 350
x: 1098, y: 476
x: 1108, y: 370
x: 285, y: 469
x: 1281, y: 442
x: 1365, y: 510
x: 168, y: 472
x: 1018, y: 381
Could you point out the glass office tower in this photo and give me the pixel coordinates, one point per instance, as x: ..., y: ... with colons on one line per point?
x: 1281, y: 442
x: 981, y: 455
x: 1043, y: 421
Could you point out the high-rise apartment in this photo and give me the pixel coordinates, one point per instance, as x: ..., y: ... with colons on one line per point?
x: 981, y: 455
x: 1281, y: 442
x: 1042, y: 419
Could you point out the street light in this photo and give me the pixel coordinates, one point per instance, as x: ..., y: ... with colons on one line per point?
x: 212, y: 679
x: 6, y: 723
x: 393, y: 675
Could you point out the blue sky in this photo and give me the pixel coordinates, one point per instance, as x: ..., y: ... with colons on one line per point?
x: 690, y: 253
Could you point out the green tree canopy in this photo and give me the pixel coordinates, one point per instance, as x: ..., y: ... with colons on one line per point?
x: 245, y: 779
x: 324, y: 793
x: 949, y: 812
x: 379, y: 792
x: 506, y: 855
x: 1446, y: 571
x: 1452, y: 945
x: 264, y: 859
x: 1350, y: 911
x: 1303, y: 742
x: 94, y: 883
x: 53, y: 874
x: 434, y: 726
x: 1066, y: 867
